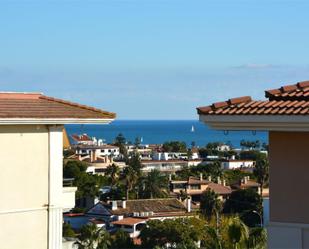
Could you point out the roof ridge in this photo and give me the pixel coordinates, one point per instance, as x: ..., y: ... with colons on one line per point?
x: 66, y: 102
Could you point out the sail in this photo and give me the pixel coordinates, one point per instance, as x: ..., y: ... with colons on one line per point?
x: 192, y: 129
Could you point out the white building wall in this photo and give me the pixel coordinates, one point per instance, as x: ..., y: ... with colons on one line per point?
x: 24, y: 187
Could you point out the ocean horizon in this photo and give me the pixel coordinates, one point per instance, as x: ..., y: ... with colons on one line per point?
x: 160, y: 131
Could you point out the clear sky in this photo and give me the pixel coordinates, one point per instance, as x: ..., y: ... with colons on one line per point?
x: 152, y: 59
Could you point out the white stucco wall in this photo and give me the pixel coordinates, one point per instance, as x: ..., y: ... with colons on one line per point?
x: 23, y: 186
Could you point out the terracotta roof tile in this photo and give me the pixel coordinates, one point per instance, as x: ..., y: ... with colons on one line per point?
x: 286, y: 100
x: 35, y: 105
x: 129, y: 221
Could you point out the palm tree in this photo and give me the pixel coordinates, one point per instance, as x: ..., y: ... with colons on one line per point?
x: 93, y: 238
x: 113, y: 171
x: 212, y: 239
x: 131, y: 177
x: 155, y: 184
x: 237, y: 233
x: 261, y: 170
x: 258, y: 238
x: 211, y: 205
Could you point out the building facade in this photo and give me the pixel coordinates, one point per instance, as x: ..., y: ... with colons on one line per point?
x: 285, y: 115
x: 31, y: 189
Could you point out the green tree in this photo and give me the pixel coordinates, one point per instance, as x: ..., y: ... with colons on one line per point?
x: 261, y: 171
x: 175, y: 146
x: 237, y: 233
x: 155, y: 185
x: 67, y: 230
x: 131, y: 178
x: 93, y: 238
x: 120, y: 141
x: 121, y: 240
x: 113, y: 172
x: 132, y: 173
x: 73, y: 168
x: 180, y: 233
x: 244, y: 202
x: 257, y: 238
x: 210, y: 204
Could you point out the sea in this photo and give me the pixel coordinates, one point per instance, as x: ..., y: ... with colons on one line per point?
x: 160, y: 131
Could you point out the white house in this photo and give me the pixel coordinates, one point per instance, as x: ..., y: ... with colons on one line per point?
x: 237, y: 164
x: 94, y: 152
x: 173, y: 155
x: 31, y: 189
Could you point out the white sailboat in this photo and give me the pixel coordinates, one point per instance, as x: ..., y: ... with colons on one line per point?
x: 192, y: 129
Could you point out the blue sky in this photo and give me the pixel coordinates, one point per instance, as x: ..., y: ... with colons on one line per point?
x: 152, y: 59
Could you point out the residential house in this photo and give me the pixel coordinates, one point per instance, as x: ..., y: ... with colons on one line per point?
x: 92, y: 153
x: 131, y: 215
x: 82, y: 139
x: 237, y: 164
x: 169, y: 166
x: 31, y: 189
x: 285, y: 115
x: 194, y: 187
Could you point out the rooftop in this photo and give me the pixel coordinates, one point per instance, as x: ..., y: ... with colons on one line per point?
x: 36, y: 106
x: 129, y: 221
x: 286, y: 100
x: 166, y: 205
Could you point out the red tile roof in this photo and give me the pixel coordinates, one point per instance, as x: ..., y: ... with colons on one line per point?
x: 81, y: 138
x: 36, y: 105
x: 287, y: 100
x: 129, y: 221
x: 299, y: 91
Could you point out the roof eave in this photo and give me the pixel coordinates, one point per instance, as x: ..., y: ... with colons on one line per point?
x: 257, y: 122
x: 54, y: 121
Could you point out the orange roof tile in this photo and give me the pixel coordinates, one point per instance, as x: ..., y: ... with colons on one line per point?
x: 129, y: 221
x: 36, y: 105
x: 286, y: 100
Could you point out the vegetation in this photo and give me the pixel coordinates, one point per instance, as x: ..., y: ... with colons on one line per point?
x: 113, y: 172
x: 132, y: 173
x: 233, y: 234
x: 154, y: 185
x: 261, y: 171
x: 87, y: 185
x: 179, y: 233
x: 92, y: 238
x: 245, y: 203
x: 120, y: 141
x: 121, y: 240
x: 250, y: 144
x: 214, y: 170
x: 175, y: 146
x: 210, y: 204
x: 67, y: 230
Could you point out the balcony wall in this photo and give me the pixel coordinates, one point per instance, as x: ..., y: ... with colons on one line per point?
x: 68, y: 198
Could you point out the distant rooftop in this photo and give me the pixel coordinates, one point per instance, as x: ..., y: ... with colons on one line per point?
x: 16, y: 105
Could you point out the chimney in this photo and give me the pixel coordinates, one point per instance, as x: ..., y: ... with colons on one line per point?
x: 189, y: 204
x: 245, y: 180
x: 224, y: 182
x: 170, y: 177
x: 218, y: 180
x: 201, y: 176
x: 209, y: 178
x: 124, y: 204
x: 114, y: 205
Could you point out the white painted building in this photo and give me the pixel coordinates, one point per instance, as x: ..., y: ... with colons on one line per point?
x: 173, y: 155
x: 31, y: 189
x: 237, y: 164
x: 94, y: 152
